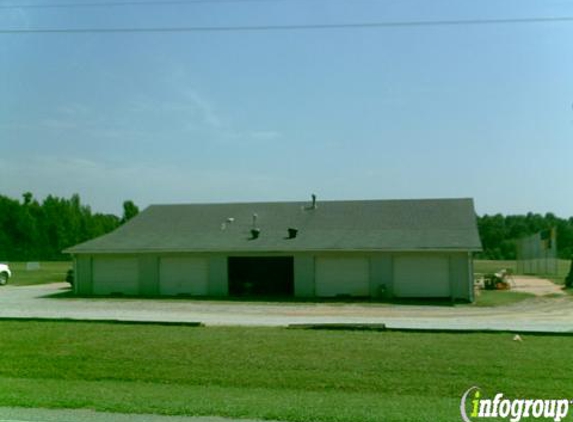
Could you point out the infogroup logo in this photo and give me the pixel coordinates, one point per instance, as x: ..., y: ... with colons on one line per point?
x: 514, y: 410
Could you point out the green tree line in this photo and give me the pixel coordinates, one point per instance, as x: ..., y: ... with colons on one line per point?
x: 499, y: 233
x: 31, y: 230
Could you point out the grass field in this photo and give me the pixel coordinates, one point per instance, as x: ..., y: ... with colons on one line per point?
x: 482, y: 266
x: 49, y: 272
x: 272, y: 373
x: 489, y: 298
x: 490, y: 266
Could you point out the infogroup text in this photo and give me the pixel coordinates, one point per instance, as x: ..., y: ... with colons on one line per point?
x: 512, y: 409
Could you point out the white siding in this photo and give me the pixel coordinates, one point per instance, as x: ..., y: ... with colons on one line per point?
x: 115, y: 275
x: 183, y: 276
x: 421, y: 276
x: 342, y: 276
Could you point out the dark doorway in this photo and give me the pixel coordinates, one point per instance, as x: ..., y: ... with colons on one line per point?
x: 261, y: 276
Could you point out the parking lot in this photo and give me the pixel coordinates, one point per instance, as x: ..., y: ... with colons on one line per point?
x: 545, y: 314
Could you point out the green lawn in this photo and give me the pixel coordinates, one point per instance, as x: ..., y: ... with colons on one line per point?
x: 482, y: 266
x: 488, y: 298
x: 272, y: 373
x: 49, y: 272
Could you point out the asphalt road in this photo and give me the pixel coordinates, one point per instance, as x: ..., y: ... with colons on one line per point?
x: 47, y: 301
x: 16, y: 414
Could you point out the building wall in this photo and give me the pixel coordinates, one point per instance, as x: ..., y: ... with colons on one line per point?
x: 148, y: 275
x: 381, y: 275
x: 218, y: 277
x: 304, y: 285
x: 83, y: 275
x: 462, y: 285
x: 381, y: 270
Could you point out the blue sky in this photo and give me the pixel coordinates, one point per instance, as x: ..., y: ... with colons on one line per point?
x: 409, y: 112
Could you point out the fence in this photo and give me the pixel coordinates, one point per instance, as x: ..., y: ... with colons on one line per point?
x: 537, y: 254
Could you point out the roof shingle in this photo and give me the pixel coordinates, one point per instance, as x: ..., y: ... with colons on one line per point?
x: 430, y: 224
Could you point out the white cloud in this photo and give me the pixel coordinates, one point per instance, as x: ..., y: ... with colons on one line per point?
x: 58, y: 123
x: 105, y: 185
x: 15, y: 18
x: 264, y: 135
x: 185, y: 106
x: 73, y: 109
x: 69, y: 116
x: 207, y: 112
x: 193, y: 112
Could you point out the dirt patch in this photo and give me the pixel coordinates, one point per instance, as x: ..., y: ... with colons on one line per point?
x: 534, y: 285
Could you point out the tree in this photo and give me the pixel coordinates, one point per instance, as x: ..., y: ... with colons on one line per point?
x: 30, y: 230
x: 130, y: 210
x: 27, y: 196
x: 499, y: 234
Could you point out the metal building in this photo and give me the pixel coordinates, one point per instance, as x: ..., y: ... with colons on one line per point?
x: 374, y: 248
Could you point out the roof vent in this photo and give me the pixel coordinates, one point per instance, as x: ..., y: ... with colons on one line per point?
x: 255, y: 233
x: 312, y: 206
x: 255, y: 216
x: 225, y: 223
x: 292, y: 232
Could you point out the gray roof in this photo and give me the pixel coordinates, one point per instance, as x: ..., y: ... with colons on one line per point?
x: 407, y: 225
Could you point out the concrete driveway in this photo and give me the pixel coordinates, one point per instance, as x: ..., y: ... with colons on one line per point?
x: 18, y: 414
x: 542, y: 314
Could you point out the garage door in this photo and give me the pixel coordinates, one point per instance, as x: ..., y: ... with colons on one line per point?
x: 183, y: 276
x: 342, y: 276
x: 268, y: 276
x: 115, y: 275
x: 421, y: 276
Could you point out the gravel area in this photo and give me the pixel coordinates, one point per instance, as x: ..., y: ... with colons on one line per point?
x: 17, y: 414
x: 545, y: 314
x: 536, y: 286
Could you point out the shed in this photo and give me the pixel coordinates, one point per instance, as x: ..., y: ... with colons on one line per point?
x: 360, y: 248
